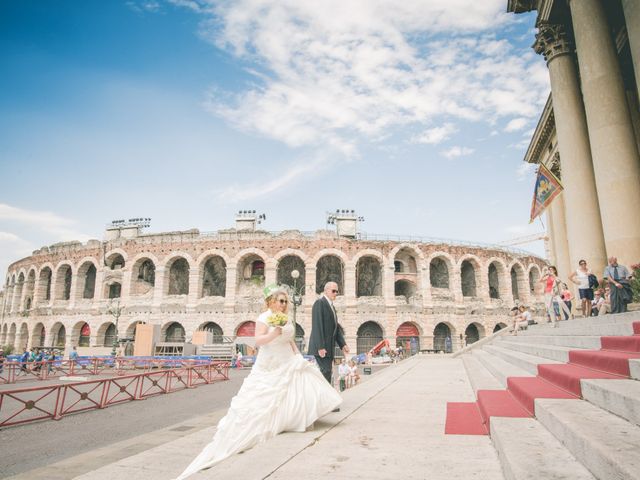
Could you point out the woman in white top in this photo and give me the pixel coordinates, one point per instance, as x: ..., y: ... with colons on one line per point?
x: 581, y: 278
x: 283, y: 392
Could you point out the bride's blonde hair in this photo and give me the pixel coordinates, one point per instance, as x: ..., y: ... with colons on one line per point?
x: 274, y: 297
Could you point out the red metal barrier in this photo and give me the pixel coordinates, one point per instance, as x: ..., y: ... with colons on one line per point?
x: 53, y: 402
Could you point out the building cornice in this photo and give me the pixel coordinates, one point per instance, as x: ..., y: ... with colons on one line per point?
x: 546, y: 126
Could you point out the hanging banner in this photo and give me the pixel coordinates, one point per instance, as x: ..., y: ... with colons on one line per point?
x: 547, y: 188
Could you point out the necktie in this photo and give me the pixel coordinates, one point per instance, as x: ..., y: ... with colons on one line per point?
x: 615, y: 273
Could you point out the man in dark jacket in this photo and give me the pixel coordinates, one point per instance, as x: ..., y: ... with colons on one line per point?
x: 324, y: 330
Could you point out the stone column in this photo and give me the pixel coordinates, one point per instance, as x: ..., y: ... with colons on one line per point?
x: 350, y: 283
x: 455, y: 284
x: 550, y: 233
x: 159, y: 288
x: 388, y: 283
x: 560, y: 237
x: 632, y: 16
x: 615, y: 154
x: 583, y: 224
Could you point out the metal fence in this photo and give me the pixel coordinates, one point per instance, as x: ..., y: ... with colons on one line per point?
x: 53, y: 402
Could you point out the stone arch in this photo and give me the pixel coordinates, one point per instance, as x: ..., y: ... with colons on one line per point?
x: 250, y: 277
x: 38, y: 334
x: 440, y: 333
x: 246, y: 329
x: 177, y: 275
x: 112, y: 289
x: 534, y: 279
x: 440, y: 271
x: 408, y: 336
x: 17, y: 292
x: 368, y: 275
x: 405, y: 288
x: 29, y: 289
x: 11, y: 338
x: 106, y: 335
x: 62, y: 288
x: 143, y: 275
x: 23, y: 337
x: 473, y: 333
x: 45, y: 279
x: 288, y: 263
x: 81, y: 334
x: 496, y: 271
x: 132, y: 329
x: 369, y: 334
x: 215, y: 329
x: 58, y: 335
x: 173, y: 332
x: 470, y: 276
x: 518, y: 282
x: 408, y: 257
x: 115, y: 259
x: 499, y: 326
x: 86, y: 279
x: 330, y: 268
x: 213, y: 272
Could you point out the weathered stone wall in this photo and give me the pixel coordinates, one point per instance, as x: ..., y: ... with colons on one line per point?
x: 196, y: 280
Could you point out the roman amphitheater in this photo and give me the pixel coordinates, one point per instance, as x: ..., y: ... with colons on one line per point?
x: 409, y: 291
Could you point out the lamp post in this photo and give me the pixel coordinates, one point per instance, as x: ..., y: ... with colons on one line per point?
x: 115, y: 310
x: 296, y: 298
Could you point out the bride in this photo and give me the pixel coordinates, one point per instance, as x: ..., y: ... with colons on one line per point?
x: 283, y: 392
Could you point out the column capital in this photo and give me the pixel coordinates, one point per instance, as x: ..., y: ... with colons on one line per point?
x: 552, y: 41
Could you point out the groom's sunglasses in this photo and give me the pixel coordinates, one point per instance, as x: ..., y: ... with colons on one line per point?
x: 334, y: 291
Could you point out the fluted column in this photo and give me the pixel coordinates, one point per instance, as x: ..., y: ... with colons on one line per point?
x: 615, y: 153
x: 558, y: 212
x: 583, y: 225
x: 632, y: 19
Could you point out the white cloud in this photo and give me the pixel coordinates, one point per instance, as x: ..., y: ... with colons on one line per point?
x: 61, y: 228
x: 454, y: 152
x: 516, y: 124
x: 525, y: 171
x: 335, y: 74
x: 296, y: 173
x: 435, y: 135
x: 142, y: 6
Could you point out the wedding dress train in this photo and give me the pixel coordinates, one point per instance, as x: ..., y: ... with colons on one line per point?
x: 283, y: 392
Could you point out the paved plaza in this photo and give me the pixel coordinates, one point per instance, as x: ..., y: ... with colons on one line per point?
x: 391, y: 425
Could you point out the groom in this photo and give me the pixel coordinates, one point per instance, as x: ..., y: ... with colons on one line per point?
x: 324, y: 330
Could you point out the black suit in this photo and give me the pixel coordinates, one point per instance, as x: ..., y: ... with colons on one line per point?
x: 324, y: 334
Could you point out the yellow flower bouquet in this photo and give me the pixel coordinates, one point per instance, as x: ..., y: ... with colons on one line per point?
x: 277, y: 320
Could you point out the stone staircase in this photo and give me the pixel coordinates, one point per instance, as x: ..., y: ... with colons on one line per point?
x: 218, y: 351
x: 563, y: 402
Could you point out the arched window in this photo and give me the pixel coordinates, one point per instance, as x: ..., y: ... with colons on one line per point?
x: 440, y: 334
x: 329, y: 269
x: 87, y: 274
x: 288, y: 264
x: 439, y: 273
x: 110, y: 335
x: 175, y: 333
x: 408, y: 337
x: 405, y: 288
x: 215, y: 329
x: 115, y: 261
x: 468, y: 279
x: 494, y: 283
x: 179, y: 277
x: 368, y: 277
x: 214, y: 281
x: 369, y: 335
x: 85, y: 335
x: 144, y: 277
x: 115, y: 289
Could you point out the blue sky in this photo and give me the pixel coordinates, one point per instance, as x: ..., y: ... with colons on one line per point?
x: 417, y: 116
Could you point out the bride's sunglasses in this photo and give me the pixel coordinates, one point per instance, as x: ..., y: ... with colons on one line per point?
x: 283, y: 301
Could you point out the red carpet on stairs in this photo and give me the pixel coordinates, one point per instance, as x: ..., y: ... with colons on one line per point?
x: 464, y: 419
x: 553, y: 381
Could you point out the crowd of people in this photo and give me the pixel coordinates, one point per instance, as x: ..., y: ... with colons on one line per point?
x: 612, y: 297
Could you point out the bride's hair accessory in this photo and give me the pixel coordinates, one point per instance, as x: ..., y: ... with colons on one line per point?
x: 272, y: 289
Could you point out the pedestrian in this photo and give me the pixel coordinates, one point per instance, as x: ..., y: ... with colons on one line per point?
x: 353, y: 373
x: 585, y: 292
x: 325, y: 332
x: 74, y: 354
x: 618, y: 278
x: 447, y: 344
x: 24, y: 358
x: 567, y: 297
x: 343, y: 374
x: 552, y: 294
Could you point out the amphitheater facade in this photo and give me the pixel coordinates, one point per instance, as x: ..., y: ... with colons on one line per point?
x: 412, y: 292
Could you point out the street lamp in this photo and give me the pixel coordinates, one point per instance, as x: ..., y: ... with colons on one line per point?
x: 115, y: 310
x: 296, y: 297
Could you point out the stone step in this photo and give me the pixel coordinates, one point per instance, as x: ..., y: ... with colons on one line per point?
x: 609, y: 446
x: 623, y: 318
x: 600, y: 329
x: 550, y: 352
x: 498, y: 367
x: 525, y: 361
x: 528, y: 451
x: 479, y: 376
x: 621, y: 397
x: 578, y: 341
x: 634, y: 369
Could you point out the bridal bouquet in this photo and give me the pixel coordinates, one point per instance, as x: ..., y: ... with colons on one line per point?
x: 277, y: 320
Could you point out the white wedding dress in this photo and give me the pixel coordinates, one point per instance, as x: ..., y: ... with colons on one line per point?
x: 283, y: 392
